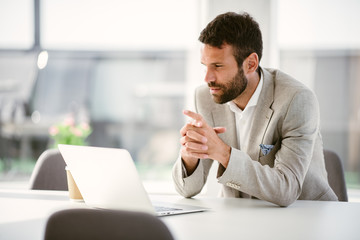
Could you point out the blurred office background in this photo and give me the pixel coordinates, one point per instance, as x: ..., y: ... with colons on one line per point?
x: 130, y: 67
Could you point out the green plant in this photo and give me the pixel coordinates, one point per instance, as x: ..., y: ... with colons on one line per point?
x: 68, y: 132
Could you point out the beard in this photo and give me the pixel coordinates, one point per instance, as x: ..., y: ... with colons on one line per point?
x: 230, y: 90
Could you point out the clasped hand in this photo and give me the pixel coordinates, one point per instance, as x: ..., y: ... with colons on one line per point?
x: 199, y: 140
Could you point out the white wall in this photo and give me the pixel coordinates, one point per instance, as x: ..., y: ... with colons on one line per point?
x: 16, y: 24
x: 318, y: 24
x: 261, y: 10
x: 119, y: 24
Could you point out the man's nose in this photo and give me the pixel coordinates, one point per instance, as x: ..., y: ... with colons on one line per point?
x: 209, y: 76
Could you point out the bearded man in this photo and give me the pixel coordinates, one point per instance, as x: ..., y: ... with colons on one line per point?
x: 261, y: 125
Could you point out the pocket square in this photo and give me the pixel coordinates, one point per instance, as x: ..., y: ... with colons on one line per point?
x: 265, y: 149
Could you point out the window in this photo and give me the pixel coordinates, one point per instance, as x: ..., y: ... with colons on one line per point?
x: 16, y: 24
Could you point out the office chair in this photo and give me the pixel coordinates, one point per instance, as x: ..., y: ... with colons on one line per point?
x: 49, y: 172
x: 335, y: 172
x: 87, y: 223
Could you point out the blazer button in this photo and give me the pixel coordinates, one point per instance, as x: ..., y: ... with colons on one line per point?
x: 232, y: 185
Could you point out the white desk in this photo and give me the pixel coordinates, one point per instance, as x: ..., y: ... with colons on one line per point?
x: 23, y: 215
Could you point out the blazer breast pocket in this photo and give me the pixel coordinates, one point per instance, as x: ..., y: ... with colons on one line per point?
x: 269, y: 158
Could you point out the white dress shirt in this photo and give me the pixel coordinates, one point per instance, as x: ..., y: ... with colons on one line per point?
x: 244, y: 118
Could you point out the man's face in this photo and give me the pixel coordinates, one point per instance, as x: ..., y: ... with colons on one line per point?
x: 225, y: 80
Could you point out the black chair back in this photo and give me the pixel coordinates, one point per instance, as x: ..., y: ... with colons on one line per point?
x: 336, y: 178
x: 87, y: 224
x: 49, y: 172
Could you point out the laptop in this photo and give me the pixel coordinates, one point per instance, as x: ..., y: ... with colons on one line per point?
x: 107, y: 178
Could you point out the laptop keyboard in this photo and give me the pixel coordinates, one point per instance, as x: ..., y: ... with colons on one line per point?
x: 165, y: 209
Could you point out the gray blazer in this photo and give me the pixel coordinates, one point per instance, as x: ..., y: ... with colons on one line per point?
x: 287, y: 117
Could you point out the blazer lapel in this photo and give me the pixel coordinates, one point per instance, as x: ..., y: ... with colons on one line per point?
x: 224, y: 117
x: 262, y: 116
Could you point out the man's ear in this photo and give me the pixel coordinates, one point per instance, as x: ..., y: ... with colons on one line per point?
x: 251, y: 63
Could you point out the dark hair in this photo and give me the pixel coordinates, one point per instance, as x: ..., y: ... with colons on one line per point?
x: 239, y: 30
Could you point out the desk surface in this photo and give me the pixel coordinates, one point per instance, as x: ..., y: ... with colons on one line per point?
x: 23, y: 215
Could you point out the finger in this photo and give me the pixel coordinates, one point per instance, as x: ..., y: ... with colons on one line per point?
x: 183, y: 140
x: 192, y: 115
x: 186, y: 128
x: 183, y: 130
x: 192, y: 146
x: 219, y: 130
x: 195, y: 123
x: 199, y: 155
x: 195, y: 136
x: 194, y: 154
x: 186, y: 139
x: 197, y: 118
x: 198, y: 139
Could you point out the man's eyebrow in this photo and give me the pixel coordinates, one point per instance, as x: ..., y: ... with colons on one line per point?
x: 214, y: 63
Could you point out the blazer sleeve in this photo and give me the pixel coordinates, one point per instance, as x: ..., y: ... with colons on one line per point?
x: 189, y: 186
x: 281, y: 184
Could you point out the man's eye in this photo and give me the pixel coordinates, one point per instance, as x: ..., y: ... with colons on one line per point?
x: 218, y: 65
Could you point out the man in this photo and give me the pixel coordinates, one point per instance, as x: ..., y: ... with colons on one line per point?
x: 260, y: 125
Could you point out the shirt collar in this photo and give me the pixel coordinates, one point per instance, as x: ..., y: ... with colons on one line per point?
x: 253, y: 100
